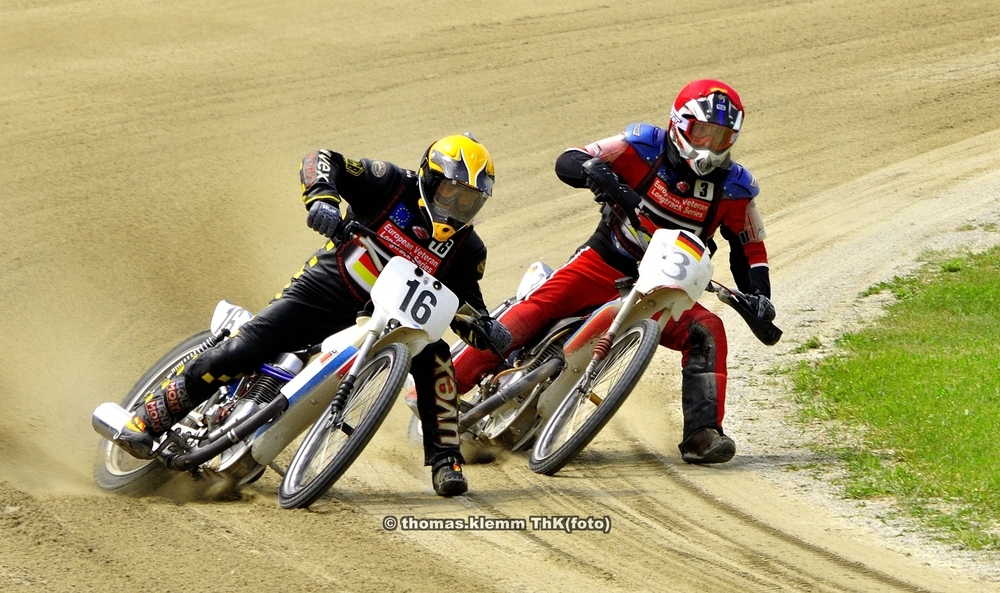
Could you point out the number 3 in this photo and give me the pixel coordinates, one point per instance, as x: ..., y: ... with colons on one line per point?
x: 703, y: 189
x: 681, y: 266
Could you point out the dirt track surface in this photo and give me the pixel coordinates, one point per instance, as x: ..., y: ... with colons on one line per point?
x: 148, y: 161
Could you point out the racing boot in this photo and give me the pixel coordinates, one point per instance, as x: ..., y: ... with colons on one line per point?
x: 448, y: 478
x: 707, y: 445
x: 163, y: 407
x: 136, y: 439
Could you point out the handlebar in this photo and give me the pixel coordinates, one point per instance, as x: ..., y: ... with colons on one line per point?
x: 599, y: 174
x: 762, y: 329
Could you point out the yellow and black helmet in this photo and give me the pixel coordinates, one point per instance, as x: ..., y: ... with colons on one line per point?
x: 455, y: 179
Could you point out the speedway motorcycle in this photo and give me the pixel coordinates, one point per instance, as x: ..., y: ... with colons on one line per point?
x: 555, y: 394
x: 342, y: 388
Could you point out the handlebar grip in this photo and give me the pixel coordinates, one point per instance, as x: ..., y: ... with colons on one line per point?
x: 601, y: 174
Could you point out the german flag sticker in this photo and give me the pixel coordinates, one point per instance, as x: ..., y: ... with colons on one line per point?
x: 688, y: 244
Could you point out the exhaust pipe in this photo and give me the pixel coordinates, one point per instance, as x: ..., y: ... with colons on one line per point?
x: 508, y: 392
x: 109, y: 420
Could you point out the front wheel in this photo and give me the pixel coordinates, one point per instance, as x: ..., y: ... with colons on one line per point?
x: 332, y: 444
x: 117, y: 471
x: 586, y: 410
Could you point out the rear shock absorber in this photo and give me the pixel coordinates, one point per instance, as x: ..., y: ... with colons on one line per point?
x: 272, y: 377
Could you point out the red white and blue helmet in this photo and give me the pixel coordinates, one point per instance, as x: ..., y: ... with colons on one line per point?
x: 704, y: 123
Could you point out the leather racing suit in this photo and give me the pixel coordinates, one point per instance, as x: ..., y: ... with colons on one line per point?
x: 673, y: 197
x: 333, y: 286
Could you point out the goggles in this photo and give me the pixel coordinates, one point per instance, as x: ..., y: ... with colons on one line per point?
x: 706, y: 136
x: 454, y: 199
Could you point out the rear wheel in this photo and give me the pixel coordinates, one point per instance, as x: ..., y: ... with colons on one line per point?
x: 114, y: 469
x: 332, y: 445
x: 584, y: 412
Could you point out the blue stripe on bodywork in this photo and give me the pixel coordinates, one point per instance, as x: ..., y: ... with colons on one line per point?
x: 327, y: 370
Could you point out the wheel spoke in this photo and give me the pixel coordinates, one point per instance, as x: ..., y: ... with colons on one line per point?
x: 586, y: 410
x: 329, y: 448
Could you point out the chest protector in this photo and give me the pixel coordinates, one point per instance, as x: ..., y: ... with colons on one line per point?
x: 401, y: 230
x: 673, y: 197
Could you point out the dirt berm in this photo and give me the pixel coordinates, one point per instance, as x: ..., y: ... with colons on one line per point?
x: 149, y: 157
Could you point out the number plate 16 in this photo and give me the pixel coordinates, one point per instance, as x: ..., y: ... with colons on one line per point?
x: 414, y: 298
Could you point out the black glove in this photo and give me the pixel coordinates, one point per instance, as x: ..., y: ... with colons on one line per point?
x: 761, y: 306
x: 601, y: 195
x: 481, y: 333
x: 607, y: 188
x: 600, y: 179
x: 324, y: 218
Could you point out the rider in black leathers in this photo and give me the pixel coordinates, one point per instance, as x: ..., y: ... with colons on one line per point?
x: 423, y: 216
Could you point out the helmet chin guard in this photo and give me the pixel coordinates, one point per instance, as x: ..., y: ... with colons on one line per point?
x: 705, y: 122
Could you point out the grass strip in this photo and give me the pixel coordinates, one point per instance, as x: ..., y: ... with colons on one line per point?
x: 921, y: 388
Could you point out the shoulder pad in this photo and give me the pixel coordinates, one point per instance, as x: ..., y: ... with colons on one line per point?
x: 740, y: 183
x: 647, y: 140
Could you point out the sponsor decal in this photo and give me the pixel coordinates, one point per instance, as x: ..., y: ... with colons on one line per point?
x: 177, y: 397
x: 156, y: 411
x: 400, y: 244
x: 420, y: 232
x: 446, y: 401
x: 322, y: 167
x: 691, y: 208
x: 682, y: 187
x: 354, y: 167
x: 690, y: 245
x: 378, y: 168
x: 401, y: 216
x: 309, y: 169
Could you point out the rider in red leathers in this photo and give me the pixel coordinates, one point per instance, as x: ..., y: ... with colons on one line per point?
x: 681, y: 177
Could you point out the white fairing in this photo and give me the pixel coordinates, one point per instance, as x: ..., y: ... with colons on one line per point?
x: 670, y: 263
x: 534, y: 277
x: 229, y: 316
x: 414, y: 298
x: 423, y: 308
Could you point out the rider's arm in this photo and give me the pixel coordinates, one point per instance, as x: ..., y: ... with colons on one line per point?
x: 366, y: 185
x: 747, y: 253
x: 467, y: 271
x: 748, y: 263
x: 743, y: 227
x: 569, y: 165
x: 464, y: 282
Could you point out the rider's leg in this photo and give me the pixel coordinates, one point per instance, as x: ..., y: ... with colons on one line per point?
x: 584, y: 282
x: 701, y: 338
x: 437, y: 404
x: 289, y: 323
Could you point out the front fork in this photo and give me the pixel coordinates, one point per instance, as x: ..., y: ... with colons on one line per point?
x: 603, y: 346
x: 347, y: 384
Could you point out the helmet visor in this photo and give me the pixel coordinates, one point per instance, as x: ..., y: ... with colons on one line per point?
x: 457, y: 200
x: 708, y: 136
